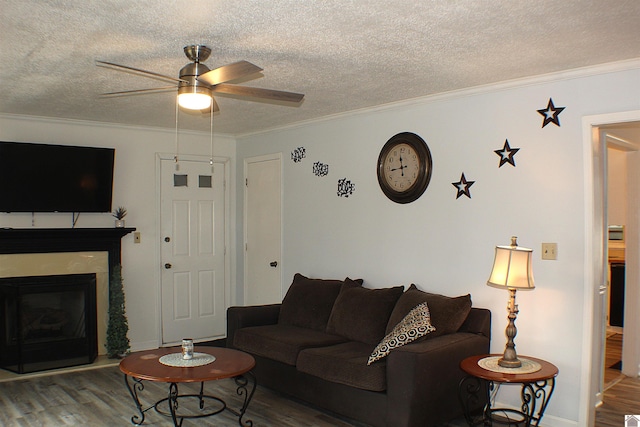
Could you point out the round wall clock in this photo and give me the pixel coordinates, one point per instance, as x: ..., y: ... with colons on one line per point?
x: 404, y: 167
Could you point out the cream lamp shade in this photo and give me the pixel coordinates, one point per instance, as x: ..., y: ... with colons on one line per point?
x: 512, y: 268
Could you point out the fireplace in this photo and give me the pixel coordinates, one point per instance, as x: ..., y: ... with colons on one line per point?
x: 48, y: 322
x: 26, y: 252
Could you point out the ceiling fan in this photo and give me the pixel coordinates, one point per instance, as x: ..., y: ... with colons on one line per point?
x: 196, y: 83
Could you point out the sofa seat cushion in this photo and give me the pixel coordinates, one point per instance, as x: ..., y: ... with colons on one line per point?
x: 281, y: 342
x: 346, y: 364
x: 362, y: 314
x: 308, y: 302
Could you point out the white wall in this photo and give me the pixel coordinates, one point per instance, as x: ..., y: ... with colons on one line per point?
x: 444, y: 244
x: 134, y: 187
x: 617, y: 186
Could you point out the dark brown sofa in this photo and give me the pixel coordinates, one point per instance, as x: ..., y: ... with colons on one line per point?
x: 315, y: 347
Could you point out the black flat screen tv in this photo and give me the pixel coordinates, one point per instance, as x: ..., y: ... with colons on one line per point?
x: 55, y: 178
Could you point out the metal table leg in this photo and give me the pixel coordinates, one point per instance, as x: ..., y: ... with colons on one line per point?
x: 246, y: 386
x: 473, y: 394
x: 138, y: 386
x: 242, y: 381
x: 536, y: 393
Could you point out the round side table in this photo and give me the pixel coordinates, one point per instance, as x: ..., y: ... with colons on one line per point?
x: 475, y: 390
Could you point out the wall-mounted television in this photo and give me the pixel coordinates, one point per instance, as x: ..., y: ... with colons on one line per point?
x: 55, y: 178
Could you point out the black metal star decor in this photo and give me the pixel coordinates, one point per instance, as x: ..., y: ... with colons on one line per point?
x: 551, y: 113
x: 463, y: 186
x: 506, y: 154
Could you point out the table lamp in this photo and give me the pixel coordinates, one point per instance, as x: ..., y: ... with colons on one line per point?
x: 511, y: 270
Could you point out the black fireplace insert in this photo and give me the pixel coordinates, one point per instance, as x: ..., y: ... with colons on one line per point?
x: 47, y: 322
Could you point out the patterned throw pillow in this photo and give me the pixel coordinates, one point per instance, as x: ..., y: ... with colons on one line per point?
x: 414, y: 325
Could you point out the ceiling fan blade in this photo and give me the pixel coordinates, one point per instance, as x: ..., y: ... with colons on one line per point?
x: 139, y: 91
x: 138, y: 71
x: 256, y: 92
x: 229, y: 72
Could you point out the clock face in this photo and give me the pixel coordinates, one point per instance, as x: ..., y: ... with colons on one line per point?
x: 401, y: 167
x: 404, y: 167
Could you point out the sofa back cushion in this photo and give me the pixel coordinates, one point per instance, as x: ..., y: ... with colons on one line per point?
x: 361, y: 314
x: 447, y: 313
x: 308, y: 302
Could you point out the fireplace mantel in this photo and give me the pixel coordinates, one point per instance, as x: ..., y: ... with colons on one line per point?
x: 46, y: 240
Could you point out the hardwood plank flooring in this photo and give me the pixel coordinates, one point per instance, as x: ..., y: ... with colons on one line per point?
x: 621, y: 393
x: 98, y: 397
x: 621, y: 399
x: 613, y: 354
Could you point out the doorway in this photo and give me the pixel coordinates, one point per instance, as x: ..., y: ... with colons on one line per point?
x: 599, y: 132
x: 193, y: 220
x: 623, y: 158
x: 263, y: 230
x: 620, y: 147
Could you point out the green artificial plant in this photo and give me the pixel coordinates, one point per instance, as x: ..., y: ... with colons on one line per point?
x: 117, y: 341
x: 119, y: 213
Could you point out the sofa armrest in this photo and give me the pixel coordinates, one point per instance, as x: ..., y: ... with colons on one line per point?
x: 478, y: 322
x: 423, y: 378
x: 254, y: 315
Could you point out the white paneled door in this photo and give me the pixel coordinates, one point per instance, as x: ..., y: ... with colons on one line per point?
x: 263, y: 235
x: 192, y: 250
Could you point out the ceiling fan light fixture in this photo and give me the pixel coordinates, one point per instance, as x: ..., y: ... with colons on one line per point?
x: 194, y: 97
x: 196, y: 82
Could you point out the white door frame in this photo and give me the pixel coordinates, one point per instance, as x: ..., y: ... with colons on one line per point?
x: 263, y: 158
x: 595, y: 251
x: 157, y: 271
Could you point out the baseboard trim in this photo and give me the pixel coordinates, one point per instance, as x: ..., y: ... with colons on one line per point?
x: 552, y: 421
x: 100, y: 362
x: 144, y: 345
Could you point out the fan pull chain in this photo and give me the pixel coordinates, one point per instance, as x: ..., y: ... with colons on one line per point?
x: 211, y: 158
x: 175, y: 157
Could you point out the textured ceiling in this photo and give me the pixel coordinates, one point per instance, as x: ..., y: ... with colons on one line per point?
x: 343, y: 55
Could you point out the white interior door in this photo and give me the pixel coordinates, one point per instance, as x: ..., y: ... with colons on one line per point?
x: 192, y: 250
x: 263, y: 230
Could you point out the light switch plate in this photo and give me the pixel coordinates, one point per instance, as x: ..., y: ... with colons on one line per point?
x: 550, y: 251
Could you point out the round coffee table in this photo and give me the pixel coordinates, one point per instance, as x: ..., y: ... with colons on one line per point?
x: 228, y: 363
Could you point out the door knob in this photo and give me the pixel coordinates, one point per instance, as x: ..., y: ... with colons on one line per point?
x: 167, y: 266
x: 273, y: 263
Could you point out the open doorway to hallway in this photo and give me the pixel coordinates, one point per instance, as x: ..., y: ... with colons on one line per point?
x: 621, y: 128
x: 618, y: 210
x: 622, y: 144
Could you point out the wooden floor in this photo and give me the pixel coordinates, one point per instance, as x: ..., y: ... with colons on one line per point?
x: 613, y: 355
x: 98, y: 397
x: 621, y: 399
x: 621, y: 393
